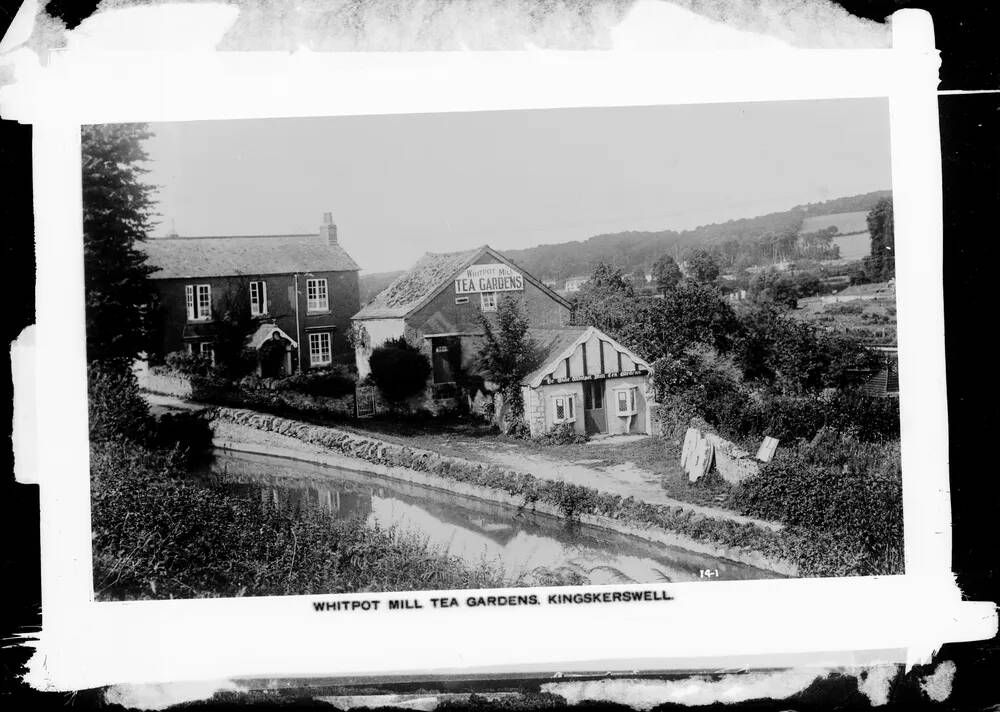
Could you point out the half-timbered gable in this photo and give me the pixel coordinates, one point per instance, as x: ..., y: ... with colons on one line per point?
x: 587, y: 380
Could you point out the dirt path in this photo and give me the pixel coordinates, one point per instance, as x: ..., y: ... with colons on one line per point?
x: 624, y: 479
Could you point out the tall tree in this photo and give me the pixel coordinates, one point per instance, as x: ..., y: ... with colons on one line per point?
x: 117, y: 214
x: 606, y: 300
x: 666, y: 274
x: 881, y: 265
x: 691, y: 314
x: 702, y: 266
x: 508, y: 353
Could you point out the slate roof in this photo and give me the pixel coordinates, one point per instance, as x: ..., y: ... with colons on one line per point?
x: 429, y: 275
x: 185, y: 257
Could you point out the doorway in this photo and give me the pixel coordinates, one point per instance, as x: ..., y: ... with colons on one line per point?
x: 594, y: 417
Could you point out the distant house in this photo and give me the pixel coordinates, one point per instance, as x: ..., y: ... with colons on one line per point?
x: 573, y: 284
x: 589, y: 380
x: 301, y: 291
x: 438, y: 303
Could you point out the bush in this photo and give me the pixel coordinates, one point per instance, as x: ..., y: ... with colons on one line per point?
x: 333, y: 382
x: 187, y: 431
x: 845, y: 489
x: 116, y: 409
x: 562, y: 434
x: 189, y: 364
x: 518, y: 428
x: 399, y: 369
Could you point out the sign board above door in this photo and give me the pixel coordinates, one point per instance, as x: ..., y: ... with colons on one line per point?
x: 488, y: 278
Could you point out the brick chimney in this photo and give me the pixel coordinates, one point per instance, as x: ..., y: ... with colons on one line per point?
x: 328, y: 230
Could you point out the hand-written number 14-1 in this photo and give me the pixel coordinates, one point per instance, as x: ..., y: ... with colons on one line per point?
x: 709, y: 573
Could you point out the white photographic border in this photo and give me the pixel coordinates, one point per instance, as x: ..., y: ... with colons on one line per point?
x: 86, y: 644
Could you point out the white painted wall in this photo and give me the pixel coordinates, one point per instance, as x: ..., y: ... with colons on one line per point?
x: 379, y: 331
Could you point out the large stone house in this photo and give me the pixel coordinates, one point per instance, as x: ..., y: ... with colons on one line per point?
x: 301, y: 290
x: 437, y: 306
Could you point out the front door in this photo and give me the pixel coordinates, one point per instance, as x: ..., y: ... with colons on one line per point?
x: 594, y: 419
x: 445, y: 350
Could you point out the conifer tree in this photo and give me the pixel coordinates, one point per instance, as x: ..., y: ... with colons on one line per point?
x: 117, y: 214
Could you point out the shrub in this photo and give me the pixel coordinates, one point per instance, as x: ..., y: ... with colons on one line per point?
x: 518, y: 428
x: 399, y: 369
x: 189, y: 364
x: 843, y: 489
x: 187, y: 431
x: 116, y: 409
x: 562, y: 434
x: 332, y: 382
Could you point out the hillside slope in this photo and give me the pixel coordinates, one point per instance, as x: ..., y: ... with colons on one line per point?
x: 637, y: 251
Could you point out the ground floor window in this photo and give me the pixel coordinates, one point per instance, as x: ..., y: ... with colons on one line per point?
x: 626, y: 400
x: 319, y: 349
x: 564, y: 408
x: 202, y: 347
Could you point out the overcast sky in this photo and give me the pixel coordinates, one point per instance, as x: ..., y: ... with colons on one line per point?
x: 399, y: 186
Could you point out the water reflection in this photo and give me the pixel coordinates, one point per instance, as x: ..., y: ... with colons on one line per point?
x: 520, y: 541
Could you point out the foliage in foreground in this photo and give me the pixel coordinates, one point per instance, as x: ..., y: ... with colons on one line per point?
x: 838, y: 486
x: 157, y: 536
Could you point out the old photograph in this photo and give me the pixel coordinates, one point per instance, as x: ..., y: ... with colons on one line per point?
x: 479, y: 350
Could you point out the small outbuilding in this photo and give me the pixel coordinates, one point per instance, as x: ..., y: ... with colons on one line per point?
x: 589, y: 380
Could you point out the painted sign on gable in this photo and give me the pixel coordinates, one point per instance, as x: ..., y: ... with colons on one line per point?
x: 489, y: 278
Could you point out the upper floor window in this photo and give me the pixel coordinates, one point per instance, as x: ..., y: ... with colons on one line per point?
x: 199, y: 301
x: 488, y: 301
x: 317, y: 298
x: 258, y: 298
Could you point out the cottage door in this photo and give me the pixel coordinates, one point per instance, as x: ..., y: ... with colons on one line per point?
x: 594, y: 418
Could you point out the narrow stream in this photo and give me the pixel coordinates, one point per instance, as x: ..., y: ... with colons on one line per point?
x: 520, y: 541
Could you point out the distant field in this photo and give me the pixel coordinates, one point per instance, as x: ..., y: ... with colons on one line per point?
x: 846, y: 223
x: 852, y: 230
x: 871, y: 321
x: 854, y: 247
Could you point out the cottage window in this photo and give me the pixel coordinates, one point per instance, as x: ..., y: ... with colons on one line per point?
x: 564, y: 409
x: 626, y: 400
x: 317, y: 298
x: 199, y: 301
x: 202, y: 347
x: 319, y: 349
x: 488, y: 301
x: 258, y: 298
